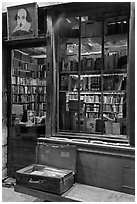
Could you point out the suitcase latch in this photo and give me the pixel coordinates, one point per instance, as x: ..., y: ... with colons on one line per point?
x: 36, y: 181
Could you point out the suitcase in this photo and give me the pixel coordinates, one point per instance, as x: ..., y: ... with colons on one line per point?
x: 53, y: 171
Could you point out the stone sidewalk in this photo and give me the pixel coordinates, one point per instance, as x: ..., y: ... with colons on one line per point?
x: 97, y: 194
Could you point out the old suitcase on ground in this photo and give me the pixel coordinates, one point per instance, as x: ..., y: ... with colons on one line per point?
x: 54, y: 169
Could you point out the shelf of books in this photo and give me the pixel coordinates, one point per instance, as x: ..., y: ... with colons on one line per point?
x: 86, y: 85
x: 28, y: 83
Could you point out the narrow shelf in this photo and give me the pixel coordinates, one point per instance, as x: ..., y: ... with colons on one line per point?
x: 25, y: 62
x: 103, y: 103
x: 92, y: 102
x: 112, y: 104
x: 28, y: 85
x: 91, y: 111
x: 94, y: 92
x: 24, y: 94
x: 21, y: 70
x: 111, y: 112
x: 27, y: 102
x: 95, y: 73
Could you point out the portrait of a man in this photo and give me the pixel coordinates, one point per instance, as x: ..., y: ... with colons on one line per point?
x: 22, y: 21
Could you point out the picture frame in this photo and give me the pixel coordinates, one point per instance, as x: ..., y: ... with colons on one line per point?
x: 22, y: 21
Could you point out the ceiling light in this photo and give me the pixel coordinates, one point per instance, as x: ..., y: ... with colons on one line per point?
x: 39, y: 56
x: 68, y: 20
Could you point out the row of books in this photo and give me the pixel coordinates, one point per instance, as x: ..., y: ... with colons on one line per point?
x: 28, y: 89
x: 28, y: 98
x: 96, y: 98
x: 28, y: 74
x: 70, y: 83
x: 92, y: 99
x: 40, y: 113
x: 28, y: 81
x: 112, y: 61
x: 109, y: 99
x: 30, y: 106
x: 113, y: 108
x: 42, y: 67
x: 33, y: 107
x: 91, y: 84
x: 41, y: 106
x: 23, y: 65
x: 118, y: 99
x: 22, y: 57
x: 92, y: 107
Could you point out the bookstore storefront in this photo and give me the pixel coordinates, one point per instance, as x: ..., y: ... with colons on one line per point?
x: 71, y: 81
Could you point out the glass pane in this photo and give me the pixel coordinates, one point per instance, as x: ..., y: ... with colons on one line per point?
x: 68, y: 73
x: 115, y: 76
x: 28, y: 89
x: 91, y: 66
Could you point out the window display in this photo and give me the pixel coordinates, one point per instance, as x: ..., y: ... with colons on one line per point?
x: 92, y: 75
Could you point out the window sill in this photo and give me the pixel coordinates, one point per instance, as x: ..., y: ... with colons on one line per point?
x: 92, y: 146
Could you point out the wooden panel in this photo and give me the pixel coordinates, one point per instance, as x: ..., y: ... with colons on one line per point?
x: 104, y: 171
x: 12, y: 168
x: 128, y: 176
x: 20, y: 153
x: 129, y: 163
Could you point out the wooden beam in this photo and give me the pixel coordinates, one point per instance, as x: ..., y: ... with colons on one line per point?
x: 131, y: 79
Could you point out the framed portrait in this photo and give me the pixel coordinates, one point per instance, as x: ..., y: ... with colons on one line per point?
x: 22, y: 21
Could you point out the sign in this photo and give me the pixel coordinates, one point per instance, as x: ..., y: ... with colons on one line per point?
x: 22, y: 21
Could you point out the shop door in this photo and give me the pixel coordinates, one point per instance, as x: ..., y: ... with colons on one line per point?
x: 28, y: 105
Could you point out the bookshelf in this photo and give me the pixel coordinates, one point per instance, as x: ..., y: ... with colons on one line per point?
x: 28, y: 76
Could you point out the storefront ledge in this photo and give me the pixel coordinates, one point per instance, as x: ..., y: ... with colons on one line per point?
x: 31, y: 40
x: 88, y: 136
x: 90, y: 147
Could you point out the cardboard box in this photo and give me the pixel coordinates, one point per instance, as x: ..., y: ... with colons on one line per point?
x: 112, y: 128
x: 109, y: 127
x: 91, y: 125
x: 116, y: 128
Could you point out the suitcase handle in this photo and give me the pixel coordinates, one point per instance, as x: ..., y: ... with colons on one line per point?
x: 36, y: 181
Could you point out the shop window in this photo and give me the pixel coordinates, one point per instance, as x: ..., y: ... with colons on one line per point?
x: 93, y: 75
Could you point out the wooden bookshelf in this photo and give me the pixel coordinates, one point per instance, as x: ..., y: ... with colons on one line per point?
x: 28, y: 82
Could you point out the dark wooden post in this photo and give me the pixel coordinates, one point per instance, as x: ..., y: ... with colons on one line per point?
x: 49, y: 79
x: 131, y: 78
